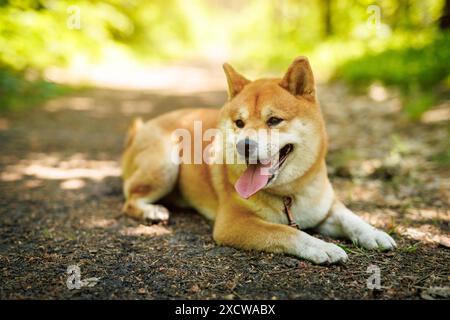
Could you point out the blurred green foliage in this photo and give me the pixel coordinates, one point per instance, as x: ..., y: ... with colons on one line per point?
x: 39, y: 34
x: 16, y: 92
x: 396, y: 42
x: 407, y: 68
x: 35, y: 35
x: 415, y: 71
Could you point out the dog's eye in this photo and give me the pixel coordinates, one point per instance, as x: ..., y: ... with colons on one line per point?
x: 273, y: 121
x: 239, y: 123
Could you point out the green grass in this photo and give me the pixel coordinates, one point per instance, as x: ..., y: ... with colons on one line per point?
x: 417, y: 103
x: 347, y: 249
x: 18, y: 93
x: 442, y: 158
x: 410, y: 249
x: 46, y: 233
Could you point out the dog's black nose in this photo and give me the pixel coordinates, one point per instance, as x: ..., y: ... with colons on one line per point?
x: 246, y: 148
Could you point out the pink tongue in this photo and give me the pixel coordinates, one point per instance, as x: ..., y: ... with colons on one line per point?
x: 254, y: 178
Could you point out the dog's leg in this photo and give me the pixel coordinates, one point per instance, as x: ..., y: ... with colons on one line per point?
x: 344, y: 223
x: 239, y: 228
x: 150, y: 182
x: 143, y: 209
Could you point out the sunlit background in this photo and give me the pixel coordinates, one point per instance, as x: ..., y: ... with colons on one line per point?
x: 160, y: 44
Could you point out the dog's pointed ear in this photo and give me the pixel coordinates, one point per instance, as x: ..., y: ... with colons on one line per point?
x: 236, y: 81
x: 299, y: 79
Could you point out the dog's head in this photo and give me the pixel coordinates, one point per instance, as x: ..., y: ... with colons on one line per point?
x: 274, y: 126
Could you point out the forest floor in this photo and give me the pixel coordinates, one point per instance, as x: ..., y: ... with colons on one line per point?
x: 60, y: 202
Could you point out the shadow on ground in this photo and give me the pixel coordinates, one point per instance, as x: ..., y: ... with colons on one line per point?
x: 61, y: 198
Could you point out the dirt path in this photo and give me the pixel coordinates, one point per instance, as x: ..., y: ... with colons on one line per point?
x: 60, y: 200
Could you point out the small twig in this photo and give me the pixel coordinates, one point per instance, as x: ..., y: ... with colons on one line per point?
x: 422, y: 279
x: 151, y: 264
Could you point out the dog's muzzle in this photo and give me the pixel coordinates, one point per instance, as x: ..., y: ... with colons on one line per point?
x: 247, y: 148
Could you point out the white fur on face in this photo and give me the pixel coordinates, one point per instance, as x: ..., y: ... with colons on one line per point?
x: 305, y: 136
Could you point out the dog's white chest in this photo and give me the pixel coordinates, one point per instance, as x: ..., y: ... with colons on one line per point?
x: 312, y: 204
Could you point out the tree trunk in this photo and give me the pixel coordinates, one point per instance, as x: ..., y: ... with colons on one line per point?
x: 444, y: 21
x: 328, y: 27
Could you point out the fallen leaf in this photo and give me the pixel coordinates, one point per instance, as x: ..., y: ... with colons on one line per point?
x: 195, y: 288
x: 90, y: 282
x: 435, y: 292
x: 443, y: 241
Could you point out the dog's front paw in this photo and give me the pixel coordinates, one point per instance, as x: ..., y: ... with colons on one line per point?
x: 321, y: 252
x: 374, y: 239
x: 153, y: 213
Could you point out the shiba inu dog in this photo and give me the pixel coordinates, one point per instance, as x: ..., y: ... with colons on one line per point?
x: 263, y: 201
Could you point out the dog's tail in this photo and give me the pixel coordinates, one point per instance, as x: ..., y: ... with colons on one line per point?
x: 132, y: 130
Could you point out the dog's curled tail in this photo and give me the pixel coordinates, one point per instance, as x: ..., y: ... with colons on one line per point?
x: 132, y: 130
